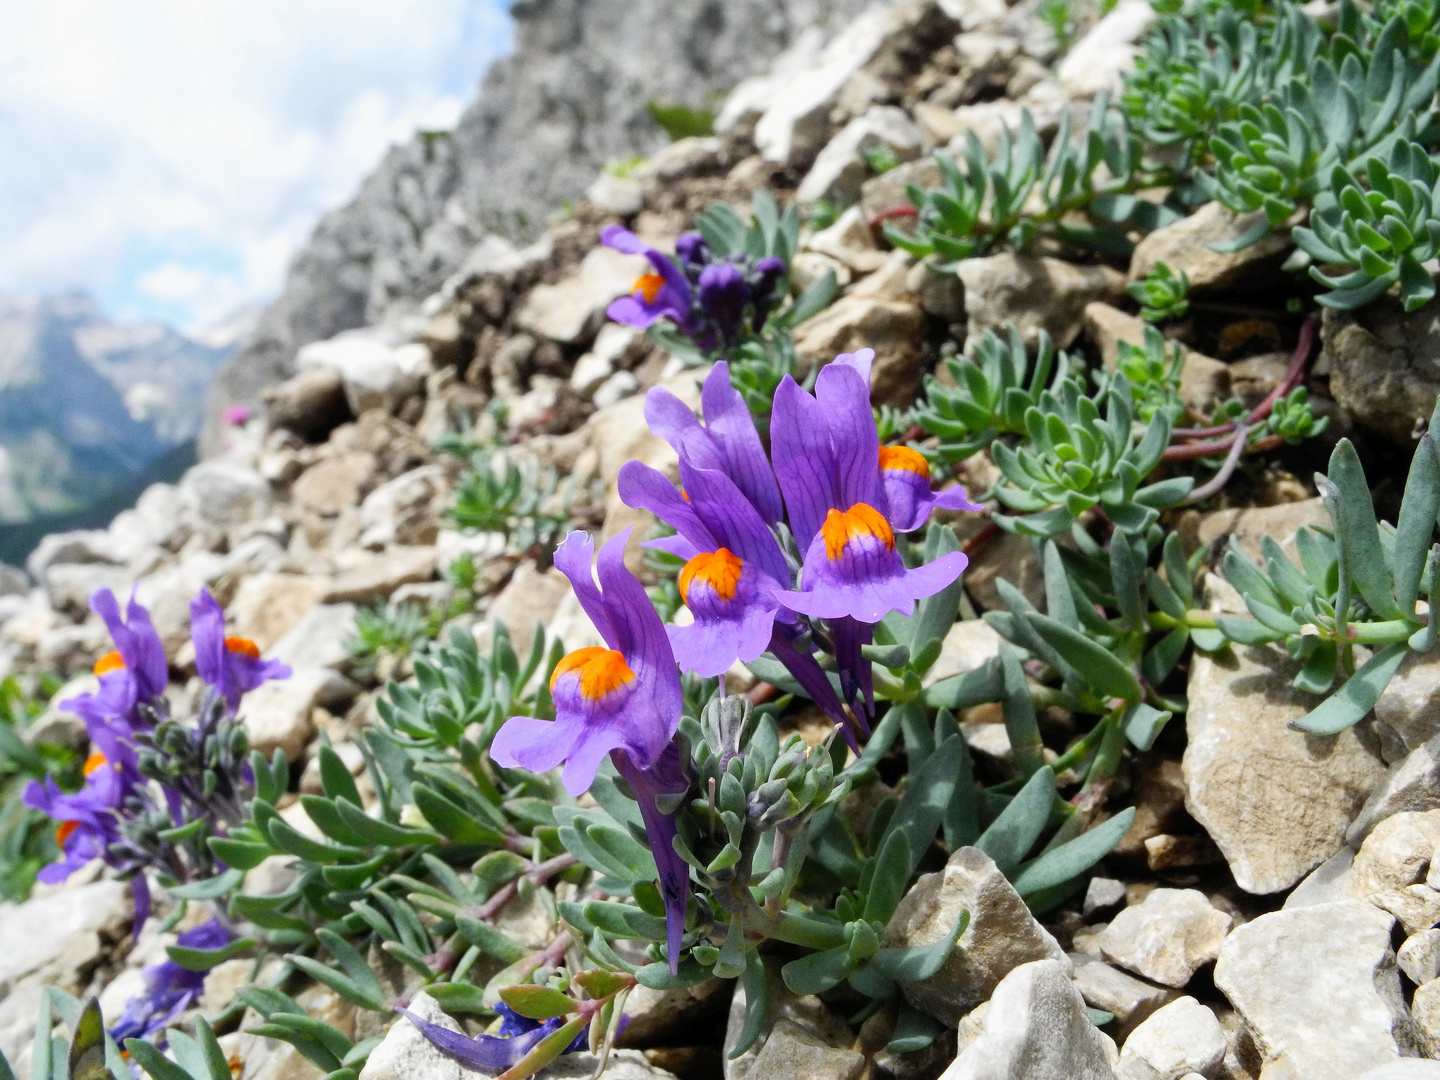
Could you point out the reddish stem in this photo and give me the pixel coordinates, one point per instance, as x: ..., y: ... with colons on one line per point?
x: 980, y: 539
x: 893, y: 212
x: 1294, y: 372
x: 1191, y: 451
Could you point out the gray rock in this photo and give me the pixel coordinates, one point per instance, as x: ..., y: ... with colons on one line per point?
x: 1035, y: 294
x: 1384, y: 366
x: 531, y: 597
x: 1410, y: 784
x: 893, y: 328
x: 13, y: 581
x: 1318, y: 985
x: 223, y: 494
x: 1096, y: 62
x: 806, y: 1013
x: 335, y: 483
x: 796, y: 108
x: 967, y: 645
x: 849, y: 242
x: 571, y: 310
x: 1404, y: 1069
x: 1102, y: 894
x: 69, y: 586
x: 1409, y: 708
x: 168, y: 594
x: 380, y: 576
x: 1131, y: 1000
x: 1249, y: 524
x: 791, y: 1051
x: 1001, y: 935
x: 1419, y: 957
x: 619, y: 195
x: 67, y: 548
x: 311, y: 404
x: 1183, y: 1037
x: 1166, y: 937
x: 1392, y: 865
x: 1326, y: 883
x: 1036, y: 1028
x: 620, y: 1065
x: 659, y: 1016
x: 1275, y: 801
x: 61, y: 930
x: 277, y: 713
x: 1425, y: 1012
x: 1185, y: 246
x: 841, y: 167
x: 375, y: 374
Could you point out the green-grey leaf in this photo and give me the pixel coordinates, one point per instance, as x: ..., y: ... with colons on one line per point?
x: 1348, y: 705
x: 1011, y: 835
x: 1074, y: 857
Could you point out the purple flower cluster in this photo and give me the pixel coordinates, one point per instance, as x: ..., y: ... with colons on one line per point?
x: 712, y: 300
x: 844, y: 499
x: 118, y: 716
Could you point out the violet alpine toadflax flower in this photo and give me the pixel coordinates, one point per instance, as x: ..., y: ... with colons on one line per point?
x: 623, y: 700
x: 494, y: 1054
x: 661, y: 292
x: 88, y: 819
x: 841, y: 492
x: 724, y: 295
x: 169, y: 988
x: 232, y: 665
x: 828, y: 462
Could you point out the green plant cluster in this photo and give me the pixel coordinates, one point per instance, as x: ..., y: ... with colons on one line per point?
x: 26, y: 836
x: 1328, y: 126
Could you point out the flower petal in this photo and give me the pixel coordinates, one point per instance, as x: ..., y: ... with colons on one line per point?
x: 649, y: 489
x: 732, y: 427
x: 843, y: 395
x: 805, y: 463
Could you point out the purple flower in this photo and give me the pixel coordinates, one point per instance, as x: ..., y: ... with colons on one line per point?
x: 232, y: 665
x: 828, y: 462
x: 662, y: 292
x: 723, y: 296
x: 769, y: 270
x: 88, y: 819
x: 237, y: 415
x: 624, y: 700
x: 169, y: 988
x: 841, y: 491
x: 494, y: 1053
x: 726, y: 442
x: 691, y: 248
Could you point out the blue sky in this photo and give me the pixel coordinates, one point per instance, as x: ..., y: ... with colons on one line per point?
x: 170, y: 155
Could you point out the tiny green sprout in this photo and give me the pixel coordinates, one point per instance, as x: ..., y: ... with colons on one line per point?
x: 1292, y: 419
x: 880, y: 159
x: 1154, y: 374
x: 1162, y: 293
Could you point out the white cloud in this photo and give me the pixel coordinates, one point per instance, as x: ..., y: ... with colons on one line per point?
x: 170, y: 155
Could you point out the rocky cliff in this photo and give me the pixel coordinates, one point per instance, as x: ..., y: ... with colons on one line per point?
x: 574, y: 96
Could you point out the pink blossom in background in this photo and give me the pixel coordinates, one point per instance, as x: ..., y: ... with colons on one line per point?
x: 236, y: 415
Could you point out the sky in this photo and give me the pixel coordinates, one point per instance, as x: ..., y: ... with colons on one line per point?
x: 170, y: 156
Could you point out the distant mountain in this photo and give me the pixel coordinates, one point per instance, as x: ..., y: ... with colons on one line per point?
x: 87, y: 404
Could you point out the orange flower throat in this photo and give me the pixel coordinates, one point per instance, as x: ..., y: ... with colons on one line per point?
x: 719, y: 569
x: 602, y: 671
x: 861, y: 520
x: 111, y: 661
x: 648, y: 285
x: 904, y: 459
x: 244, y: 646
